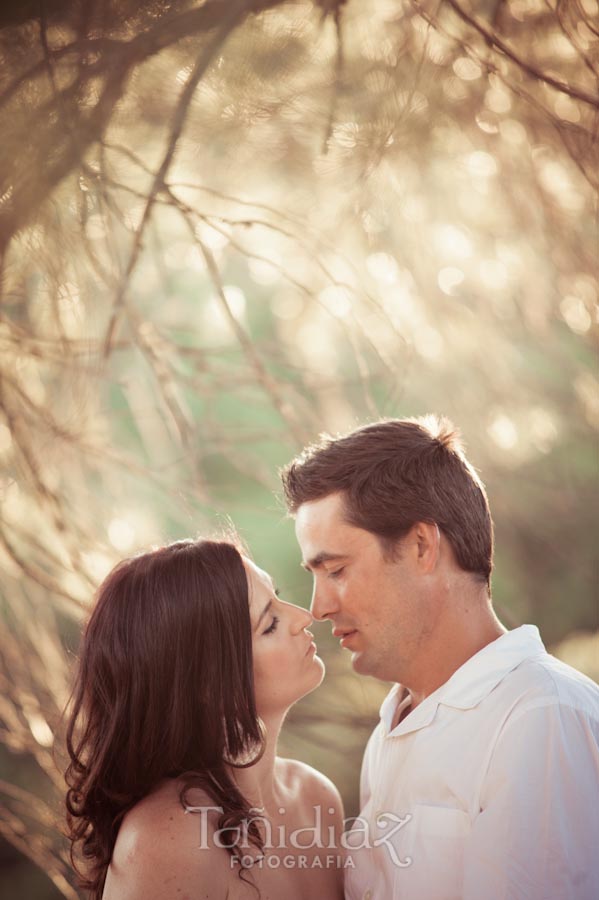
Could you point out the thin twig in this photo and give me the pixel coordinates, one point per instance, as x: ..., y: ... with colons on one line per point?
x: 263, y: 376
x: 236, y: 13
x: 493, y: 39
x: 337, y: 79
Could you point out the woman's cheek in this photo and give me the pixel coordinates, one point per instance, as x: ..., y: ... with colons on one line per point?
x: 265, y: 663
x: 271, y: 665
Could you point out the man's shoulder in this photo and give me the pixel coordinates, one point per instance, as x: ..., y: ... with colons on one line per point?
x: 544, y: 680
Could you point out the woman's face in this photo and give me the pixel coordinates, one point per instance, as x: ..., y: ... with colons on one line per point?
x: 286, y: 666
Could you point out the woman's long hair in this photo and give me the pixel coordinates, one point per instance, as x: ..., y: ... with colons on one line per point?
x: 165, y: 688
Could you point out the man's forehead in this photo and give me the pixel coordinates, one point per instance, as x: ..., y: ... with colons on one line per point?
x: 321, y: 512
x: 325, y: 535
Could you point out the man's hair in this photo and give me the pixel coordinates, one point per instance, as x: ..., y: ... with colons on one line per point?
x: 395, y: 473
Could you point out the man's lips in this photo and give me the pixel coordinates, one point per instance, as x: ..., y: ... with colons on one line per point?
x: 345, y: 634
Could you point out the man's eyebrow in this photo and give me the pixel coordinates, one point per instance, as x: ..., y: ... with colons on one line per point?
x: 321, y: 558
x: 262, y: 614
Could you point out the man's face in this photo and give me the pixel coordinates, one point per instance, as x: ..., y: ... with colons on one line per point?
x: 378, y: 606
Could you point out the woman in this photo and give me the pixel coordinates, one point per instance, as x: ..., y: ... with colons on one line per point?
x: 189, y: 664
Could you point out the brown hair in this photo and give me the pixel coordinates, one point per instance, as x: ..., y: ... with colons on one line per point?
x: 165, y: 688
x: 395, y: 473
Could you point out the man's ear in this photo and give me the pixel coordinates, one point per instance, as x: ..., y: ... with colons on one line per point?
x: 427, y: 538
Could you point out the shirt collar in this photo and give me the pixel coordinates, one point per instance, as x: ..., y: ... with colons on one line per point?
x: 469, y: 684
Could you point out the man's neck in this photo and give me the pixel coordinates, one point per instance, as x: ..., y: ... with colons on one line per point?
x: 453, y: 644
x: 401, y: 713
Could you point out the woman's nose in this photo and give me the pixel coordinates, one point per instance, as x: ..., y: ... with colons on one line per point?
x: 302, y: 619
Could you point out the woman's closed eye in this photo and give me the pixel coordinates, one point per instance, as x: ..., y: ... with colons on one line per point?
x: 273, y: 626
x: 336, y: 572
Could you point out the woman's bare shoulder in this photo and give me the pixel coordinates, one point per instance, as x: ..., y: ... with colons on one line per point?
x: 314, y: 785
x: 162, y: 851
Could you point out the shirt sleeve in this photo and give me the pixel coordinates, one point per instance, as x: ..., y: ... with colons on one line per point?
x: 537, y: 833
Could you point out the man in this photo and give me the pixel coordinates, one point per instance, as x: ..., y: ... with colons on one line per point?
x: 481, y: 780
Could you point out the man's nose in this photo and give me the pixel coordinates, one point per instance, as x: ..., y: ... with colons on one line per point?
x: 324, y: 603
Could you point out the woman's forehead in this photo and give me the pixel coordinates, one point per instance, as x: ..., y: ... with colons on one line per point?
x: 258, y: 580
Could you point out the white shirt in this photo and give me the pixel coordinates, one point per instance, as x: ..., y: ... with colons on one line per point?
x: 497, y: 776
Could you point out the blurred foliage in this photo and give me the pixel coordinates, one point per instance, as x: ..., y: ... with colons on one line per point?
x: 226, y: 227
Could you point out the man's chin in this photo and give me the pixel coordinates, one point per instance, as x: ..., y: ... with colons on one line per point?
x: 363, y: 665
x: 359, y: 661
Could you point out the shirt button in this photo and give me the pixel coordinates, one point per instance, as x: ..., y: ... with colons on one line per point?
x: 368, y: 895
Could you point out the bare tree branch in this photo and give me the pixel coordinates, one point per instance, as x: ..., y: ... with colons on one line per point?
x: 29, y: 193
x: 236, y: 12
x: 263, y: 376
x: 493, y: 40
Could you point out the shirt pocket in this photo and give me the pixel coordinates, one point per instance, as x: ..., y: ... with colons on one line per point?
x: 435, y: 839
